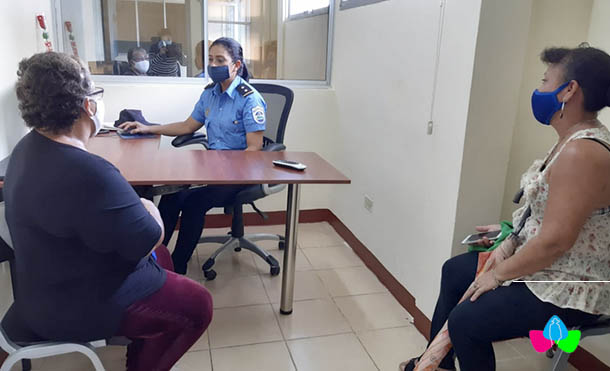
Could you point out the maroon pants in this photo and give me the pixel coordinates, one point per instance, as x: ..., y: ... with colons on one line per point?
x: 163, y: 326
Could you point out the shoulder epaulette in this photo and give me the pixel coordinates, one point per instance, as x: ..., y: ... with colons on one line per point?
x: 244, y: 90
x: 210, y: 86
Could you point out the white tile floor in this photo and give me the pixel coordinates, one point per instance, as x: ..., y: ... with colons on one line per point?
x: 343, y: 319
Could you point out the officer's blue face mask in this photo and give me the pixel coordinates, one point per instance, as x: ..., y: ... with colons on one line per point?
x: 545, y: 104
x: 218, y: 73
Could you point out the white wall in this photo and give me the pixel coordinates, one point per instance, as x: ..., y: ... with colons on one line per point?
x: 494, y: 99
x: 21, y: 39
x: 383, y: 147
x: 553, y: 23
x: 599, y: 37
x: 304, y: 48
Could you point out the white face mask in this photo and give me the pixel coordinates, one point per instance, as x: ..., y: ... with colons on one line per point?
x: 98, y: 117
x: 142, y: 66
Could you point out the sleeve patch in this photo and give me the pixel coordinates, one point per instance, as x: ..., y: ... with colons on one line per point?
x: 258, y: 114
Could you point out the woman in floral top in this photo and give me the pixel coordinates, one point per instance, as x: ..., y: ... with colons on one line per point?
x: 563, y: 251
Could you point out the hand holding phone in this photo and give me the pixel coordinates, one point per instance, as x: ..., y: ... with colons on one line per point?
x: 476, y: 238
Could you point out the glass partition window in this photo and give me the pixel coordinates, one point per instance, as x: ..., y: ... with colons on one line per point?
x: 348, y: 4
x: 281, y: 39
x: 297, y: 7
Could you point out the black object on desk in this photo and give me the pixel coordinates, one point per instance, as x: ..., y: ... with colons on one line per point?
x: 127, y: 135
x: 127, y: 115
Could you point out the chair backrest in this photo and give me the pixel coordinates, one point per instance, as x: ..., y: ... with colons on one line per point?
x: 5, y: 236
x: 119, y: 67
x: 279, y: 102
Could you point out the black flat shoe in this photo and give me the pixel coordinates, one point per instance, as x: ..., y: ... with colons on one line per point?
x: 409, y: 365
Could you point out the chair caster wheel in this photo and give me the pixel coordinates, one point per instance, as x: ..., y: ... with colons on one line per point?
x: 281, y: 245
x: 274, y: 271
x: 209, y: 275
x: 208, y: 265
x: 238, y: 249
x: 550, y: 353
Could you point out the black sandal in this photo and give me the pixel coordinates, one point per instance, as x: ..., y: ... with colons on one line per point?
x: 409, y: 365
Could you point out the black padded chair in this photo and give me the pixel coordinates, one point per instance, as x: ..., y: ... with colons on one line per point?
x: 279, y: 102
x: 119, y: 67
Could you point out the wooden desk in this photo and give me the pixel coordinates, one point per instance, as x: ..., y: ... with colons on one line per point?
x: 142, y: 163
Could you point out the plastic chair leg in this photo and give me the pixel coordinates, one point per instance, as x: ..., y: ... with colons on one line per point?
x: 40, y: 351
x: 560, y: 360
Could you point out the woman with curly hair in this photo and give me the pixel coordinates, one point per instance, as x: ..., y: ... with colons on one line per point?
x: 83, y: 240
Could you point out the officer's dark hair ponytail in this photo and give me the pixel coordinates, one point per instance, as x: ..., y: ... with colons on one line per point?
x: 236, y: 52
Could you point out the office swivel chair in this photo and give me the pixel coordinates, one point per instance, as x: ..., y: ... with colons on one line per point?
x: 119, y: 67
x: 279, y: 102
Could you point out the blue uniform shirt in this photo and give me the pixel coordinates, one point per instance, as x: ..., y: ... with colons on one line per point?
x: 229, y: 116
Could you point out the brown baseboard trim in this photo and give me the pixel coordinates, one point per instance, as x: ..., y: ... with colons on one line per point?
x: 580, y: 359
x: 275, y: 218
x: 583, y: 360
x: 3, y: 357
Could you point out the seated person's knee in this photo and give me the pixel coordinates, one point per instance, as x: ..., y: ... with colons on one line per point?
x: 461, y: 320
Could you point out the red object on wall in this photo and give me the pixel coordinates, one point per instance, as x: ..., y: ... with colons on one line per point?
x: 41, y: 23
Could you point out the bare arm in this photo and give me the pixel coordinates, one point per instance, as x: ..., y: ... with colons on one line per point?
x: 190, y: 125
x: 254, y: 141
x: 576, y: 188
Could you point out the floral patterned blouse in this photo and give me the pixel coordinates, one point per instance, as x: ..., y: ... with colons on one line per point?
x: 589, y: 257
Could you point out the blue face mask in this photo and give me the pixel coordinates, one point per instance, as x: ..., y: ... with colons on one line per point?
x: 218, y: 73
x: 164, y: 43
x: 545, y: 104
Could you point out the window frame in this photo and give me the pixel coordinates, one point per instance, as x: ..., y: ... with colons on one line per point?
x: 350, y: 4
x: 164, y: 80
x: 308, y: 14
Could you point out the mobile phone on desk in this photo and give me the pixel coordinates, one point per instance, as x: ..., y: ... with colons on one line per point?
x: 475, y: 238
x: 290, y: 164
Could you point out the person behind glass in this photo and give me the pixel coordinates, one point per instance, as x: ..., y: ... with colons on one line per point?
x: 91, y: 264
x: 233, y: 113
x: 566, y: 238
x: 138, y: 62
x: 164, y: 39
x: 165, y: 56
x: 167, y: 61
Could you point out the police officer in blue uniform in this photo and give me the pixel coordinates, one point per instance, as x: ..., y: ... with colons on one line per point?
x: 234, y: 115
